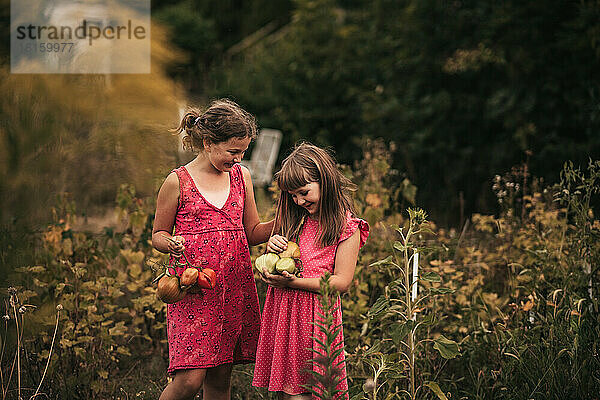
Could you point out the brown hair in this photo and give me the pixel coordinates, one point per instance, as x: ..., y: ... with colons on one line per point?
x: 223, y: 119
x: 308, y: 163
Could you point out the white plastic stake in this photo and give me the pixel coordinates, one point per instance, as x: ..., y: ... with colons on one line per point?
x: 415, y: 275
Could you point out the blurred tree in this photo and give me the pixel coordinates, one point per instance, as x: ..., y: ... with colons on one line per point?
x: 205, y: 29
x: 85, y: 135
x: 297, y: 79
x: 196, y: 35
x: 466, y: 88
x: 4, y: 30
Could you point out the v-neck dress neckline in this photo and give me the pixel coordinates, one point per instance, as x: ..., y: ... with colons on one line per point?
x: 193, y: 182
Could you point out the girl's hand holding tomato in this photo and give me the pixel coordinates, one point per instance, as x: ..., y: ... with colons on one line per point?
x: 175, y: 245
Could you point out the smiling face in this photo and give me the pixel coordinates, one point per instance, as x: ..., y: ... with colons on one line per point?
x: 224, y: 155
x: 308, y: 197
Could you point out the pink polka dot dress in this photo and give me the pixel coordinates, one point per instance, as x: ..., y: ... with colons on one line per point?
x: 220, y: 325
x: 284, y: 349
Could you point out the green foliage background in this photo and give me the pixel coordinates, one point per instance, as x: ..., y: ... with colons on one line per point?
x: 465, y: 88
x: 517, y: 292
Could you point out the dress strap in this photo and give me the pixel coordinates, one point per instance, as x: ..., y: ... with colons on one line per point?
x: 185, y: 185
x: 237, y: 181
x: 182, y: 175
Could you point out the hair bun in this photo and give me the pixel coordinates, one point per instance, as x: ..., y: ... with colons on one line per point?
x: 190, y: 120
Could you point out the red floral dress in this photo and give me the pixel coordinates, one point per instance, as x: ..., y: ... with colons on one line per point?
x: 220, y: 325
x: 284, y: 348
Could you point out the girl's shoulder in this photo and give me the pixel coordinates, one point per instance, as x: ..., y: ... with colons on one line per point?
x: 178, y: 172
x: 178, y: 179
x: 172, y: 179
x: 244, y: 172
x: 353, y: 224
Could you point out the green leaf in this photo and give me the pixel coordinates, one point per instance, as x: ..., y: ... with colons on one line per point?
x: 431, y: 277
x: 428, y: 320
x: 447, y: 348
x: 441, y: 290
x: 35, y: 269
x: 386, y: 261
x: 123, y: 350
x: 374, y: 348
x: 400, y: 331
x: 436, y: 389
x: 397, y: 283
x: 135, y: 270
x: 118, y: 330
x: 379, y: 307
x: 400, y: 246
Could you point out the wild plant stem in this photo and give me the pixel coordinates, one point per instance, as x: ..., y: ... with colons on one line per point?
x: 2, y: 353
x: 543, y: 376
x: 410, y: 313
x: 18, y: 351
x: 410, y: 352
x: 49, y: 356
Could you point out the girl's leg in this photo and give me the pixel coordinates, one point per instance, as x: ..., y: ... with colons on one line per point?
x: 217, y: 385
x: 186, y: 384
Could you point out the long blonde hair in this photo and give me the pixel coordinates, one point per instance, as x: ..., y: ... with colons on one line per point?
x: 308, y: 163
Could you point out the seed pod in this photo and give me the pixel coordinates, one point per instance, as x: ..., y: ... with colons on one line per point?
x: 169, y: 290
x: 286, y: 264
x: 189, y: 276
x: 292, y: 251
x: 266, y: 262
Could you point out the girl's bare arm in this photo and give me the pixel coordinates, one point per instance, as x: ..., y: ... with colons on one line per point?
x: 256, y: 231
x: 164, y: 218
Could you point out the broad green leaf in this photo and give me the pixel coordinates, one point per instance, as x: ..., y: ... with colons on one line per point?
x: 374, y: 348
x: 428, y: 320
x: 400, y: 331
x: 436, y: 389
x: 397, y: 283
x: 39, y: 283
x: 386, y: 261
x: 27, y: 294
x: 441, y: 290
x: 401, y: 247
x: 118, y: 330
x: 135, y: 270
x: 132, y: 257
x: 431, y: 276
x: 379, y: 307
x: 447, y: 348
x: 35, y: 269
